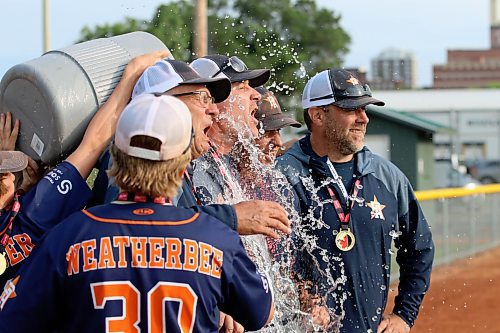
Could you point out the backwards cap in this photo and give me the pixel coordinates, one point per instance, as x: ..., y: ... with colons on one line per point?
x: 12, y: 161
x: 165, y: 118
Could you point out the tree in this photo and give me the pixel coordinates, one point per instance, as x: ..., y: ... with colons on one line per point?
x: 294, y: 38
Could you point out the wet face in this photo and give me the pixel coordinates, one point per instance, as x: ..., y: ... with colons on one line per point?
x: 345, y: 129
x: 202, y: 112
x: 238, y: 110
x: 269, y: 144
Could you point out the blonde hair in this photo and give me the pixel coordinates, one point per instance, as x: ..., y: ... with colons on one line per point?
x: 151, y: 178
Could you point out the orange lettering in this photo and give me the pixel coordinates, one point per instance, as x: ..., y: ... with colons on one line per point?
x: 138, y: 246
x: 190, y: 255
x: 156, y: 246
x: 89, y: 262
x: 106, y: 258
x: 205, y: 251
x: 217, y: 263
x: 173, y: 253
x: 15, y: 257
x: 24, y: 242
x: 73, y: 259
x: 121, y: 242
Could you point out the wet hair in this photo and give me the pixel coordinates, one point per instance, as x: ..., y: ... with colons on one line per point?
x: 147, y: 177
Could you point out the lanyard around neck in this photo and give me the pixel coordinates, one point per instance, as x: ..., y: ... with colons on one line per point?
x: 338, y: 180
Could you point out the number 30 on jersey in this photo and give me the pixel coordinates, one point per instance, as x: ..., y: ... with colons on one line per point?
x: 130, y: 297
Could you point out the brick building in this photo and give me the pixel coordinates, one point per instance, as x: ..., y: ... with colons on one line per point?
x: 473, y: 68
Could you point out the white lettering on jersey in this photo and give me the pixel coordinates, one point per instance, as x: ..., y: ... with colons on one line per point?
x: 65, y: 186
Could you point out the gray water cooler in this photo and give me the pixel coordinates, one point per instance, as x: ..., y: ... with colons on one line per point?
x: 56, y: 95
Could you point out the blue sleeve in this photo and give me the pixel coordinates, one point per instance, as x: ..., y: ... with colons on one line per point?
x: 246, y: 293
x: 222, y: 212
x: 415, y: 257
x: 31, y: 300
x: 60, y: 193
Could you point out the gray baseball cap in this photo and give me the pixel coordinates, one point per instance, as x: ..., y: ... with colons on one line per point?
x: 12, y: 161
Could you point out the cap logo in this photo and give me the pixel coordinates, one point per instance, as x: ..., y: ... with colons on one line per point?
x: 272, y: 101
x: 352, y: 80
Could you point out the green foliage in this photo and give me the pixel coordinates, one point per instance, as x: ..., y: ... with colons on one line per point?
x: 294, y: 38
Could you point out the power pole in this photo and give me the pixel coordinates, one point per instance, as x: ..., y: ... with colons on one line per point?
x: 46, y: 26
x: 200, y: 29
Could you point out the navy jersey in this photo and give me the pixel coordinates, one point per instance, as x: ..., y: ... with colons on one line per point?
x: 133, y: 267
x: 59, y: 194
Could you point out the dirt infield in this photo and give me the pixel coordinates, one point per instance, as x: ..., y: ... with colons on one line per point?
x: 464, y: 297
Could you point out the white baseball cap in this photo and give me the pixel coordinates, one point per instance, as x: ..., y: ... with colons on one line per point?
x: 165, y: 118
x: 338, y: 87
x: 167, y: 74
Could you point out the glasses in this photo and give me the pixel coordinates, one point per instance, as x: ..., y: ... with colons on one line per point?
x: 235, y: 63
x: 203, y: 97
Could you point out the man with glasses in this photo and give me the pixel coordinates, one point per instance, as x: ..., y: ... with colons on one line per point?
x: 355, y: 204
x: 176, y: 78
x: 215, y: 177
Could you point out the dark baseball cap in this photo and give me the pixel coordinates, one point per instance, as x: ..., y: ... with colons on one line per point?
x: 270, y: 114
x: 232, y: 68
x: 12, y: 161
x: 338, y: 87
x: 167, y: 74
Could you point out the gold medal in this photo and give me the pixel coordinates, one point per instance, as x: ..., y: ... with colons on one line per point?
x: 3, y: 263
x: 345, y: 240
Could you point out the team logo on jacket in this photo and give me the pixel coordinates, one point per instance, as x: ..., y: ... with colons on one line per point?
x: 143, y: 211
x: 9, y: 291
x: 377, y: 208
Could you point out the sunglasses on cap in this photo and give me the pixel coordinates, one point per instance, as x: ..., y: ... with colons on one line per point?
x: 351, y: 91
x: 235, y: 63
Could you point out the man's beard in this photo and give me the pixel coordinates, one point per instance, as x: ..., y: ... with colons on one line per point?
x: 342, y: 143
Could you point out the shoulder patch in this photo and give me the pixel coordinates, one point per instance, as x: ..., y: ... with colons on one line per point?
x: 9, y: 291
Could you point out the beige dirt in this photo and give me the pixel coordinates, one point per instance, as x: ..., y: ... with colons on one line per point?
x: 464, y: 297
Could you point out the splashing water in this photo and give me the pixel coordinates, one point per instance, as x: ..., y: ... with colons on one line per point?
x: 246, y: 178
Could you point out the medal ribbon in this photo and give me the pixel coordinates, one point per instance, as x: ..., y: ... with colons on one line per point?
x: 4, y: 234
x: 128, y: 196
x: 344, y: 217
x: 229, y: 181
x: 188, y: 177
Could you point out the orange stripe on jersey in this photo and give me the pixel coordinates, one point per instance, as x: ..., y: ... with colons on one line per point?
x: 135, y: 222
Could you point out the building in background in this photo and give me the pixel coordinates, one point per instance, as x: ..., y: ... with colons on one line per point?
x: 473, y: 68
x: 393, y: 69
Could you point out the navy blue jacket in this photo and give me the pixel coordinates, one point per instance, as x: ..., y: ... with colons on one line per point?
x: 363, y: 272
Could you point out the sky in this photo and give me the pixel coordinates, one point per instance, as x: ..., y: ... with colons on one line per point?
x: 427, y: 28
